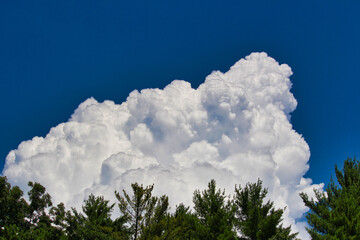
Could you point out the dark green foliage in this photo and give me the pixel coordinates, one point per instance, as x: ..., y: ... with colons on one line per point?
x: 257, y: 220
x: 284, y: 234
x: 181, y: 224
x: 156, y: 219
x: 95, y: 223
x: 39, y: 201
x: 40, y: 222
x: 133, y: 208
x: 336, y: 213
x: 143, y: 216
x: 215, y: 214
x: 98, y: 210
x: 58, y: 215
x: 146, y: 215
x: 12, y: 206
x: 22, y: 220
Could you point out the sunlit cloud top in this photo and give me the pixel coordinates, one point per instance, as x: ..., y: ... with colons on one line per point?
x: 234, y: 128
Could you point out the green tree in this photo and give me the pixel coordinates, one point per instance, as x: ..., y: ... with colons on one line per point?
x: 156, y: 219
x: 13, y: 206
x: 335, y: 213
x: 215, y: 214
x: 22, y: 220
x: 134, y: 208
x: 58, y: 214
x: 40, y: 223
x: 94, y: 223
x: 98, y: 210
x: 13, y: 209
x: 181, y: 224
x: 257, y: 220
x: 39, y: 202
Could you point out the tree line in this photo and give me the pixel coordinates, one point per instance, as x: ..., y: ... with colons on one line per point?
x: 334, y: 214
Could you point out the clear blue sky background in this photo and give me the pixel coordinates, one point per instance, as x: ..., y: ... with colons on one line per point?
x: 55, y: 54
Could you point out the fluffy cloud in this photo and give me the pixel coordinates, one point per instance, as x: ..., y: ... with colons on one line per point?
x: 233, y: 128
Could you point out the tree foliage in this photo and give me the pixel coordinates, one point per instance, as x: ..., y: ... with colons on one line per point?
x: 13, y: 207
x: 133, y: 208
x: 142, y: 216
x: 335, y: 213
x: 181, y: 224
x: 22, y: 220
x: 215, y: 213
x: 257, y: 220
x: 146, y: 215
x: 95, y: 222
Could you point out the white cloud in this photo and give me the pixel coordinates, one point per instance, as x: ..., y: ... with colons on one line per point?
x: 233, y: 128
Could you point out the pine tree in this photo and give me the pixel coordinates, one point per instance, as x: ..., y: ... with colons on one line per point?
x: 215, y: 214
x: 181, y: 225
x: 134, y: 208
x: 95, y: 222
x: 256, y: 220
x: 335, y: 213
x: 156, y: 219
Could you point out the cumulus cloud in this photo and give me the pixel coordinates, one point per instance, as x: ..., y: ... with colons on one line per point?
x: 234, y: 128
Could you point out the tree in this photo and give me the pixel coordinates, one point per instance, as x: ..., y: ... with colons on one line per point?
x: 95, y: 223
x: 39, y: 202
x: 98, y: 211
x: 133, y: 208
x: 40, y: 222
x: 13, y: 209
x: 156, y: 219
x: 12, y: 205
x: 216, y: 215
x: 22, y: 220
x: 181, y: 224
x: 256, y: 220
x: 335, y: 213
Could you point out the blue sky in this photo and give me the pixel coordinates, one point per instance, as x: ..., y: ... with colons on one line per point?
x: 56, y: 54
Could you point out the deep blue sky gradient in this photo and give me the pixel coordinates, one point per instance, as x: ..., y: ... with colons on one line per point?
x: 56, y: 54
